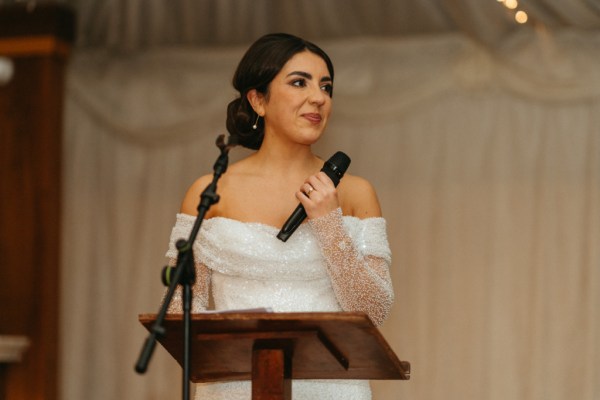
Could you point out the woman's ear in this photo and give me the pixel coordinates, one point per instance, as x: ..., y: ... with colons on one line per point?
x: 256, y: 100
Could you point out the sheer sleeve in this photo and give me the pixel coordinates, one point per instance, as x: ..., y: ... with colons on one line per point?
x: 200, y: 289
x: 360, y: 279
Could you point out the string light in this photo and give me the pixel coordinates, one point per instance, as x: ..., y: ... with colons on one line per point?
x: 521, y: 17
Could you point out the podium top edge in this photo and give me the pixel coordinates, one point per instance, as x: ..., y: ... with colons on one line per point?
x: 354, y: 316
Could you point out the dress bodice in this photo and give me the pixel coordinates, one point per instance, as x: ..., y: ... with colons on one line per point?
x: 251, y: 268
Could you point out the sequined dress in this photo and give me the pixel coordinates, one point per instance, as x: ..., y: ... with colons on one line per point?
x: 331, y: 263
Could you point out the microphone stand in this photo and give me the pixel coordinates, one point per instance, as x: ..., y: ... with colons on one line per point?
x: 185, y: 275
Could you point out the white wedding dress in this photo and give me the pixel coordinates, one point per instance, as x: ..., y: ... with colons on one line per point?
x: 246, y: 266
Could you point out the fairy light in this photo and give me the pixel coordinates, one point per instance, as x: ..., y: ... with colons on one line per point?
x: 521, y: 17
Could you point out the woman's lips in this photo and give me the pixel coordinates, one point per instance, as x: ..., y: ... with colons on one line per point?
x: 313, y: 117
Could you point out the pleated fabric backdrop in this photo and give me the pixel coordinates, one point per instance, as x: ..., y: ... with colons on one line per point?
x: 487, y: 166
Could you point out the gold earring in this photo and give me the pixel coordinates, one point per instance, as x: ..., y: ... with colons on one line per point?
x: 255, y: 126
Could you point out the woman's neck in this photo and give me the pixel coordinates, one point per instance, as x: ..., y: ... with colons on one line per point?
x: 287, y: 158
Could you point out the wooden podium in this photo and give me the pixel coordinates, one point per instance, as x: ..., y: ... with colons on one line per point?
x: 273, y: 348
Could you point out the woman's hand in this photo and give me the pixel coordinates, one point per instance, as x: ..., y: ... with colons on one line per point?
x: 318, y: 195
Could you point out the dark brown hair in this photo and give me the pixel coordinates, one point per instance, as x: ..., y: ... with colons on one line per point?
x: 257, y: 68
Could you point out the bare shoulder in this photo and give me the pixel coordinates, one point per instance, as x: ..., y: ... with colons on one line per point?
x: 358, y: 197
x: 191, y: 199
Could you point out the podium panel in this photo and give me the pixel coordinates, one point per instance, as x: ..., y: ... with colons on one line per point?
x: 322, y: 345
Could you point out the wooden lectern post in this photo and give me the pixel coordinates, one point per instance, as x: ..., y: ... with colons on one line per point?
x: 271, y: 349
x: 271, y: 370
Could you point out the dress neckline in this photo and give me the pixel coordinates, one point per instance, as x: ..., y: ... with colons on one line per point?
x: 269, y: 226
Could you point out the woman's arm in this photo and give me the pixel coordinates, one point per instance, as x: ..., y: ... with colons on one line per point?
x: 360, y: 282
x: 199, y: 292
x: 200, y: 289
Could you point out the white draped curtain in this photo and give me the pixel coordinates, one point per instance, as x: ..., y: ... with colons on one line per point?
x: 487, y: 166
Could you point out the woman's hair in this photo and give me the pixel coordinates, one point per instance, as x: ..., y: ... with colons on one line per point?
x: 257, y: 68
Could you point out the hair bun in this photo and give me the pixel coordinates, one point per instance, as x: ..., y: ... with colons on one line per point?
x: 240, y: 118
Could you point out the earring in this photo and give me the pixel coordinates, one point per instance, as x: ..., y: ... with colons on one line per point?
x: 255, y: 126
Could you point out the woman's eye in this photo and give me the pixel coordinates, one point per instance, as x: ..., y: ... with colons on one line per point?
x: 328, y: 88
x: 299, y: 83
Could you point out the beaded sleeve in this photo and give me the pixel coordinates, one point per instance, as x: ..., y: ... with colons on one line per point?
x: 200, y: 289
x: 360, y: 282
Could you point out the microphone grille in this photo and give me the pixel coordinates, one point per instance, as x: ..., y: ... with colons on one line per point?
x: 340, y: 160
x: 336, y: 166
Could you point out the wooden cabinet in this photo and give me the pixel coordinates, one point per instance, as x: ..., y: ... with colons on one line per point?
x: 36, y: 40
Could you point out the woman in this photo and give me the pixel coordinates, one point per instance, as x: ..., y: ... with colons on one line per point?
x: 338, y: 260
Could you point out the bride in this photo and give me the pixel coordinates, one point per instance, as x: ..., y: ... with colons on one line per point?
x: 337, y: 261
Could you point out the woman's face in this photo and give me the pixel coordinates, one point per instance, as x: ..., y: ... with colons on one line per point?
x: 298, y: 104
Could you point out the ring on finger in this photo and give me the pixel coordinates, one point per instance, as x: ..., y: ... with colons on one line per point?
x: 310, y: 190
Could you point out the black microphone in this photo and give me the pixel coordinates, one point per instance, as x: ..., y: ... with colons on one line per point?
x: 335, y: 168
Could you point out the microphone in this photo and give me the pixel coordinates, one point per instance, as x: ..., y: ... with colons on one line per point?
x: 334, y: 168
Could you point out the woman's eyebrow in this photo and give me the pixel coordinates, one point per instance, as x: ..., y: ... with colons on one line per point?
x: 308, y: 76
x: 301, y: 73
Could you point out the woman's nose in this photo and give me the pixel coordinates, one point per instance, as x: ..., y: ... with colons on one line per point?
x: 318, y: 95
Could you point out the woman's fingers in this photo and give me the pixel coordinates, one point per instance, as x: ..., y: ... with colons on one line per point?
x: 318, y: 195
